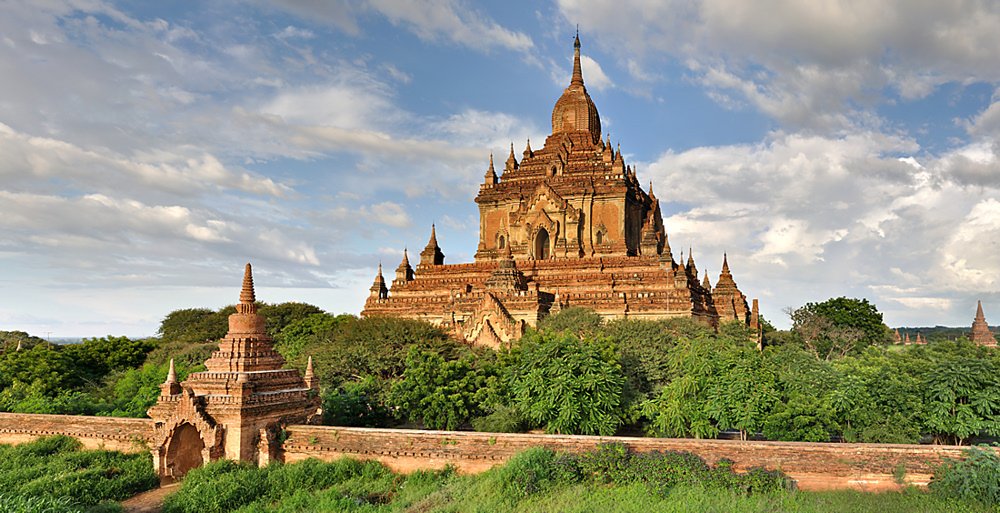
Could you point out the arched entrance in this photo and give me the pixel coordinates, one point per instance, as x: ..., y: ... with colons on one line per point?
x: 184, y: 450
x: 542, y: 245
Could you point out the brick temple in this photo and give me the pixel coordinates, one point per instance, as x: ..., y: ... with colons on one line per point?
x: 568, y: 225
x: 981, y: 333
x: 237, y: 407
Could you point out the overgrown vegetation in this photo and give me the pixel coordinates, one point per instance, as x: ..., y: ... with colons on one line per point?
x: 54, y: 474
x: 608, y: 479
x: 832, y: 377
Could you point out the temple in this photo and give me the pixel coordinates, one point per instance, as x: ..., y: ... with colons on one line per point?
x: 567, y: 225
x: 981, y: 333
x: 237, y: 407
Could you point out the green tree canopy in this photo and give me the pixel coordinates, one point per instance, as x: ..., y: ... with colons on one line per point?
x: 566, y: 385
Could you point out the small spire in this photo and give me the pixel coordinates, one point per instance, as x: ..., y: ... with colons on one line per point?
x: 434, y: 240
x: 19, y: 347
x: 511, y: 161
x: 406, y: 261
x: 247, y: 299
x: 491, y: 161
x: 651, y: 188
x: 309, y: 369
x: 725, y: 263
x: 171, y: 374
x: 527, y: 150
x: 577, y: 69
x: 979, y: 311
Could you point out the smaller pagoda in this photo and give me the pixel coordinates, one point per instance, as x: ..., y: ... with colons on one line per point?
x: 237, y: 407
x: 981, y: 333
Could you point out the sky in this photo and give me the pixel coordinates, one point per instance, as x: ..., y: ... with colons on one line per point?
x: 149, y: 150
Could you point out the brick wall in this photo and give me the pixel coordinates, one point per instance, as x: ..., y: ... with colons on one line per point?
x: 118, y: 434
x: 814, y: 466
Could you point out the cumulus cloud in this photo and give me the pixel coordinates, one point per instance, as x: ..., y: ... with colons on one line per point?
x: 452, y: 20
x: 804, y: 218
x: 795, y: 60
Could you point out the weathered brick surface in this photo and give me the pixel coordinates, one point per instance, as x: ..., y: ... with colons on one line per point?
x: 110, y: 433
x: 815, y: 466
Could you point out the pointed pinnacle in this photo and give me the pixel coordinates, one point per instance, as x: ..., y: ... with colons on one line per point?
x: 577, y: 70
x: 171, y: 374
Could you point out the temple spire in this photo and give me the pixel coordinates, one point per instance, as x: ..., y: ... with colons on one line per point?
x: 577, y: 70
x: 170, y: 386
x: 511, y: 160
x: 172, y: 373
x: 247, y: 303
x: 432, y: 255
x: 491, y: 174
x: 310, y: 377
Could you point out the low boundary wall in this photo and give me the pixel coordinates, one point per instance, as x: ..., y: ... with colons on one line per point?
x: 815, y: 466
x: 112, y: 433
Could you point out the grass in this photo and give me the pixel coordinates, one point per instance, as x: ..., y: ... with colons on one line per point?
x: 55, y: 474
x: 535, y: 481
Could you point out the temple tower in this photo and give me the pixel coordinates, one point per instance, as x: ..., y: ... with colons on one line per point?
x: 236, y: 408
x: 981, y: 333
x: 568, y: 225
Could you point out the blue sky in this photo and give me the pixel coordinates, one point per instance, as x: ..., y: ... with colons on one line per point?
x: 148, y: 150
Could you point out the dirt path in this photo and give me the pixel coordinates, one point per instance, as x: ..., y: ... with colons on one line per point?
x: 148, y: 502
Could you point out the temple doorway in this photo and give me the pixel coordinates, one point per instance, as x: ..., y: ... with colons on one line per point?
x: 542, y: 245
x: 184, y: 451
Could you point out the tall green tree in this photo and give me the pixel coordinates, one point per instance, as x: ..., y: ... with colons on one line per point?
x: 444, y: 394
x: 962, y: 400
x: 566, y: 385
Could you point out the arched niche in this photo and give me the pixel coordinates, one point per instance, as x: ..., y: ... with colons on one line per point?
x: 184, y: 450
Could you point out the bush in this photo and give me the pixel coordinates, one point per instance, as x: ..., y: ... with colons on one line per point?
x: 613, y: 462
x: 56, y: 467
x: 977, y: 477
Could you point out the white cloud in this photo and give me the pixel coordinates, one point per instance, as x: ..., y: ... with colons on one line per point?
x: 594, y: 76
x: 817, y: 217
x: 796, y: 61
x: 430, y: 19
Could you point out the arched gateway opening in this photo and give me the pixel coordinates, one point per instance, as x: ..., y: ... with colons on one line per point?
x: 184, y: 450
x: 542, y: 245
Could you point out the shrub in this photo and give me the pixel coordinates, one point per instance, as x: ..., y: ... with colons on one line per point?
x: 977, y: 477
x: 56, y: 467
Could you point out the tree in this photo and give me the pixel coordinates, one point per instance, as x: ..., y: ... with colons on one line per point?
x: 9, y: 340
x: 858, y: 314
x: 566, y: 385
x: 444, y: 394
x: 962, y: 400
x: 283, y: 314
x: 95, y: 357
x: 193, y: 325
x: 580, y: 321
x: 822, y: 337
x: 838, y: 327
x: 743, y: 390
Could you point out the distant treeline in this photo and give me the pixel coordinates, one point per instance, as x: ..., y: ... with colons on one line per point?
x: 940, y: 333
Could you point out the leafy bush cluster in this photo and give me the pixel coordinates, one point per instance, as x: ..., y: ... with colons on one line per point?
x: 43, y: 472
x: 227, y: 485
x: 613, y: 462
x: 975, y: 478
